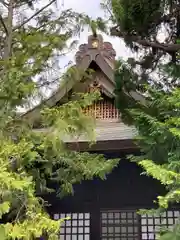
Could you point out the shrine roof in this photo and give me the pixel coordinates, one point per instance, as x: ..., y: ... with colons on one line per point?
x: 103, y: 54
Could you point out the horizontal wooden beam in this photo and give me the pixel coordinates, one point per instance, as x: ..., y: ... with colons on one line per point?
x: 127, y: 145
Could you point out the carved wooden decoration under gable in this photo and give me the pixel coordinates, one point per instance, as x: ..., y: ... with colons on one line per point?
x: 94, y: 86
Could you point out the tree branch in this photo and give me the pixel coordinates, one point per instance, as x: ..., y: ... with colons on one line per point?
x: 168, y: 48
x: 4, y: 3
x: 7, y: 50
x: 4, y: 25
x: 167, y: 18
x: 34, y: 15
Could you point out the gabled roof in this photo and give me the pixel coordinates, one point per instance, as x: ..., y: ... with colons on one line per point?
x: 97, y: 51
x: 103, y: 55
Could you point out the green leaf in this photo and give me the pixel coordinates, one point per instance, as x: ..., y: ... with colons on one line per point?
x: 2, y: 233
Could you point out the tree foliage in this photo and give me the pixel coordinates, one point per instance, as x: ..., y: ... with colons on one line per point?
x: 159, y: 138
x: 151, y: 29
x: 139, y: 22
x: 154, y: 76
x: 29, y: 159
x: 33, y: 158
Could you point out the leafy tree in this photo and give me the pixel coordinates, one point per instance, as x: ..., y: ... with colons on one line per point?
x: 159, y: 139
x: 139, y: 23
x: 151, y: 29
x: 155, y: 76
x: 157, y: 120
x: 29, y: 158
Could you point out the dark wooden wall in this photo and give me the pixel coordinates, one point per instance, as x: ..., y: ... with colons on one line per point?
x: 125, y: 188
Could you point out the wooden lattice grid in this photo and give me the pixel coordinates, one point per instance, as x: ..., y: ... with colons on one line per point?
x: 76, y: 228
x: 102, y: 109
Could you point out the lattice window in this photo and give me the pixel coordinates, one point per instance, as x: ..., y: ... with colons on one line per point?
x: 150, y: 225
x: 103, y: 109
x: 77, y: 228
x: 117, y: 225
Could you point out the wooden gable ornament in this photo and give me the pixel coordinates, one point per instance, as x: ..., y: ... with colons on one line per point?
x: 93, y: 48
